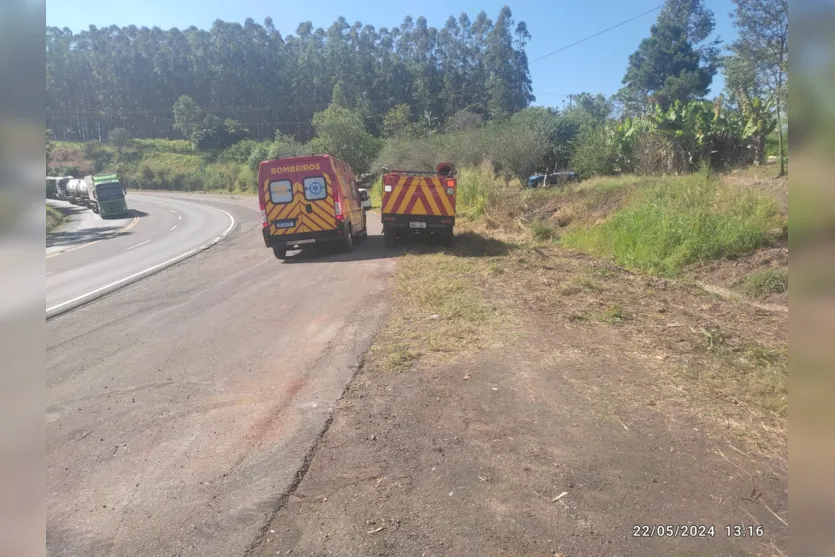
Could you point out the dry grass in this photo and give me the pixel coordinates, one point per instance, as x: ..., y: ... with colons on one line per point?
x: 440, y: 310
x: 722, y: 362
x: 727, y: 362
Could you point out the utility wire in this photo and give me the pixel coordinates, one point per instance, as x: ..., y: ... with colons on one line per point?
x: 596, y: 34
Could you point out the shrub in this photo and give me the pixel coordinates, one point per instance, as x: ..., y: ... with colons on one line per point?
x: 477, y: 187
x: 594, y: 152
x: 260, y: 152
x: 239, y: 152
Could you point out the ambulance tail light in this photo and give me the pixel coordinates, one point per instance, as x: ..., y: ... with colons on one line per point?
x: 337, y: 206
x: 264, y: 222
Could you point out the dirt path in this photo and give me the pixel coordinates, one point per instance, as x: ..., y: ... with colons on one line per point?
x: 554, y: 424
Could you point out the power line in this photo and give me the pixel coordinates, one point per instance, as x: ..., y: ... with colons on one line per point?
x: 596, y: 34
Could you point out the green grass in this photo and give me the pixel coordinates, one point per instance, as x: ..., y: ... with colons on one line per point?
x: 54, y: 218
x: 613, y: 314
x: 762, y: 283
x: 476, y: 188
x: 672, y: 222
x: 376, y: 193
x: 540, y: 231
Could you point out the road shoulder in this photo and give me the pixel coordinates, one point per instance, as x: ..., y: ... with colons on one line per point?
x: 550, y: 425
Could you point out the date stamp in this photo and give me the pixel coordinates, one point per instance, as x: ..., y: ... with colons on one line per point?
x: 673, y: 531
x: 696, y: 531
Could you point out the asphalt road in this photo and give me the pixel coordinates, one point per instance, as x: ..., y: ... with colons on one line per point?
x: 181, y: 407
x: 89, y: 253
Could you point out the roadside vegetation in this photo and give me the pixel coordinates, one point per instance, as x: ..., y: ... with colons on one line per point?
x: 54, y: 218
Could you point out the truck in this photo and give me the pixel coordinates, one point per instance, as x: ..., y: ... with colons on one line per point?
x: 56, y: 187
x: 104, y: 195
x: 77, y: 192
x: 419, y: 203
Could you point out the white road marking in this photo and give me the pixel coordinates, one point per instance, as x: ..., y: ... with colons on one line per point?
x: 150, y: 269
x: 120, y: 281
x: 137, y: 245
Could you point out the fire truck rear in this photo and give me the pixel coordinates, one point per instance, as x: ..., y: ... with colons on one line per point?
x: 419, y: 204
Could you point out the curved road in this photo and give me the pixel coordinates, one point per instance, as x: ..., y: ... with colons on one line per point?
x: 90, y: 255
x: 180, y: 409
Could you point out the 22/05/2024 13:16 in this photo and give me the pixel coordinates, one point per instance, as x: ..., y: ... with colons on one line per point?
x: 696, y: 531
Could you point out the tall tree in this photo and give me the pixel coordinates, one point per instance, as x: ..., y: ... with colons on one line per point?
x: 186, y: 115
x: 763, y: 45
x: 664, y: 69
x: 130, y: 77
x: 698, y: 22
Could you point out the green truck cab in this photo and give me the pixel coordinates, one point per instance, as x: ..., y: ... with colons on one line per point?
x: 106, y: 196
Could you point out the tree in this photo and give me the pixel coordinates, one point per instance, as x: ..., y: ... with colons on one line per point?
x: 214, y: 134
x: 119, y: 138
x: 588, y: 109
x: 98, y: 79
x: 763, y: 45
x: 464, y: 120
x: 186, y: 115
x: 698, y: 22
x: 523, y: 150
x: 340, y: 132
x: 664, y: 69
x: 397, y: 120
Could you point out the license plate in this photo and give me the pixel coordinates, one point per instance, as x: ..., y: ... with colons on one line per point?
x: 286, y: 223
x: 302, y: 242
x: 417, y: 225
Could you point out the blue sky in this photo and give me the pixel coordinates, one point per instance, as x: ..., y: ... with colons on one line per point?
x: 596, y: 66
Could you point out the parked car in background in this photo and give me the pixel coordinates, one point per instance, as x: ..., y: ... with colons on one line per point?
x: 553, y: 179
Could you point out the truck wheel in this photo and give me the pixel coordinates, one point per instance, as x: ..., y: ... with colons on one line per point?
x: 390, y: 238
x: 447, y: 238
x: 280, y: 253
x: 348, y: 242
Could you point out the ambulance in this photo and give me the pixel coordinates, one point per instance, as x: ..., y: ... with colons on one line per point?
x: 309, y: 200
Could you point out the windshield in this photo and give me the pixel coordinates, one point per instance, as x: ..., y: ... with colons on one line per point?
x: 110, y: 191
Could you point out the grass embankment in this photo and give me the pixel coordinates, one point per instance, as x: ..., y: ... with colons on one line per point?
x: 54, y: 218
x: 670, y: 223
x: 508, y: 268
x: 155, y: 164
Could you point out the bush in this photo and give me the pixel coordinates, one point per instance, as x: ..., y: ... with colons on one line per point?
x: 54, y: 218
x: 260, y: 152
x: 239, y: 152
x: 477, y: 188
x: 594, y: 153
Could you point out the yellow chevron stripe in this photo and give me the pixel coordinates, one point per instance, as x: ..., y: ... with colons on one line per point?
x: 312, y: 219
x: 406, y: 198
x: 323, y: 216
x: 418, y: 208
x: 445, y: 201
x: 428, y: 193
